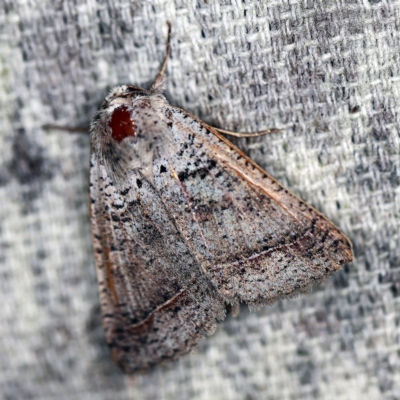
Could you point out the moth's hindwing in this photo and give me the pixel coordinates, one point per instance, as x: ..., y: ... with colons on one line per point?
x: 194, y: 228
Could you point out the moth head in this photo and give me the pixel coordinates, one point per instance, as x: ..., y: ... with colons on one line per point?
x: 117, y: 112
x: 121, y: 123
x: 127, y: 128
x: 122, y: 113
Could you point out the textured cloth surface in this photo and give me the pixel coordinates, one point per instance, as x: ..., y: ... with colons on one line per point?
x: 326, y: 72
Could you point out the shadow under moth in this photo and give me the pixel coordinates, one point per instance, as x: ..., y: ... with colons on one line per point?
x: 186, y: 226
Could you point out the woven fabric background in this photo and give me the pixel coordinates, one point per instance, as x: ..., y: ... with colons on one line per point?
x: 325, y: 71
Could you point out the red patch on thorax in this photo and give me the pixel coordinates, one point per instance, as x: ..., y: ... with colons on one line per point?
x: 121, y: 124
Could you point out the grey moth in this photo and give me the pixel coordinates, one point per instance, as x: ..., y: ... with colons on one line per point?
x: 186, y: 226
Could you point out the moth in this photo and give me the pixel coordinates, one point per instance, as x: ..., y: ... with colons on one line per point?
x: 186, y: 226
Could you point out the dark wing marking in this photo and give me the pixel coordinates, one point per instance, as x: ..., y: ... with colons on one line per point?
x: 255, y: 240
x: 156, y: 303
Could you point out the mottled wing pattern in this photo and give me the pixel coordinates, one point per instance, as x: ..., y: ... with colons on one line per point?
x: 156, y: 302
x: 184, y: 223
x: 254, y: 239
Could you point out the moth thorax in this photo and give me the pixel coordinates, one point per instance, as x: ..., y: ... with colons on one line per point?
x: 121, y: 123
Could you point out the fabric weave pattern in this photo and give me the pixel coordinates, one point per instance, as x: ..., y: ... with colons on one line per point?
x: 326, y: 72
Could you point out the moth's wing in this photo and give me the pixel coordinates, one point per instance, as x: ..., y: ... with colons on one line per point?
x: 156, y: 303
x: 255, y: 240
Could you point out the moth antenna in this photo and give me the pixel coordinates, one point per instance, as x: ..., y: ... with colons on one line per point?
x: 71, y: 129
x: 159, y: 82
x: 247, y: 134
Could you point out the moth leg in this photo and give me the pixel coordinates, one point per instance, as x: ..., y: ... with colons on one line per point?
x: 159, y: 81
x: 233, y: 309
x: 247, y: 134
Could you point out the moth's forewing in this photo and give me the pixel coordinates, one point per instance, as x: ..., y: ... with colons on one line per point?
x: 196, y: 226
x: 156, y: 302
x: 255, y: 240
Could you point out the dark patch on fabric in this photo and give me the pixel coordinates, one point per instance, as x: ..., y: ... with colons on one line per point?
x: 341, y: 280
x: 29, y: 164
x: 30, y: 167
